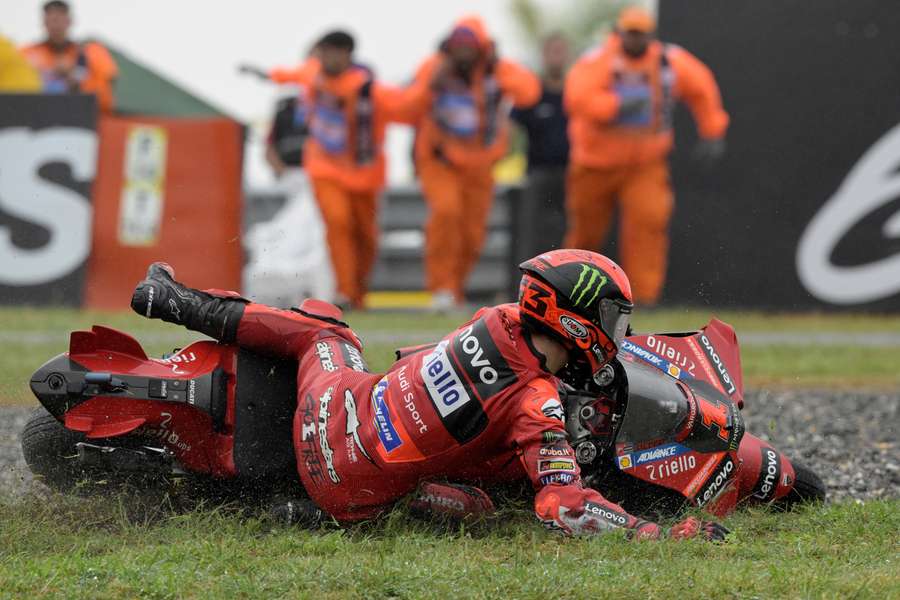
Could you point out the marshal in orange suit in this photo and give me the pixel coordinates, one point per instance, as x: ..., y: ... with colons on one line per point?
x: 461, y: 132
x: 620, y: 99
x: 343, y: 156
x: 66, y: 66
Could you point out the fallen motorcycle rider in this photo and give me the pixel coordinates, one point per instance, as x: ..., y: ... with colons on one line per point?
x: 483, y: 398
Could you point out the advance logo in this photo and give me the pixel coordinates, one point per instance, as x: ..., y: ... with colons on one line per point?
x: 627, y: 461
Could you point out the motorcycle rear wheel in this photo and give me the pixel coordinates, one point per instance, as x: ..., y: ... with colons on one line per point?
x: 808, y: 487
x: 50, y: 452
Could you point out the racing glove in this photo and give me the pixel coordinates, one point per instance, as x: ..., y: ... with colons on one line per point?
x: 693, y: 527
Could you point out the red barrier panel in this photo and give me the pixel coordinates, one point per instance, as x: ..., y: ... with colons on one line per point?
x: 165, y: 189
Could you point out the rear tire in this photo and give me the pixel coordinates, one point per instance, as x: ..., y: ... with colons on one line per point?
x: 50, y: 452
x: 808, y: 487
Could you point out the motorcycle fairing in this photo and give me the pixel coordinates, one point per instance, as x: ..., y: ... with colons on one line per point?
x: 710, y: 355
x: 677, y: 431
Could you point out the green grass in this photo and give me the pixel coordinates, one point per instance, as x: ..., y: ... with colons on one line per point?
x: 59, y: 547
x: 66, y: 548
x: 34, y: 335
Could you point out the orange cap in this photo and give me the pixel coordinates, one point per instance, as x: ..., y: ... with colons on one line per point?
x: 635, y: 18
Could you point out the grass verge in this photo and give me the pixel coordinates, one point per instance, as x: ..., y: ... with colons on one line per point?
x: 34, y: 335
x: 70, y: 548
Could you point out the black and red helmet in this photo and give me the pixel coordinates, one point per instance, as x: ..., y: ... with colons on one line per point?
x: 581, y: 298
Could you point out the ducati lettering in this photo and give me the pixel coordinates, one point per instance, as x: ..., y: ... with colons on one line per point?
x: 716, y: 482
x: 353, y: 424
x: 601, y: 512
x: 722, y: 372
x: 588, y: 286
x: 352, y: 358
x: 668, y: 468
x: 327, y: 452
x: 770, y: 473
x: 326, y: 357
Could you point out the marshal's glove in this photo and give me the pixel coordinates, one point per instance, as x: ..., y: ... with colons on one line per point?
x: 694, y: 527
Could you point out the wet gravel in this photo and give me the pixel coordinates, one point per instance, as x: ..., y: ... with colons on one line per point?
x: 851, y: 439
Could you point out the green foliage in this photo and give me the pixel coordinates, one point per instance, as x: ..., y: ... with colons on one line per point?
x: 64, y: 548
x: 582, y: 21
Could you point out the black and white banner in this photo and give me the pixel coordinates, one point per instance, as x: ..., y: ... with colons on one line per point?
x: 804, y: 211
x: 48, y: 156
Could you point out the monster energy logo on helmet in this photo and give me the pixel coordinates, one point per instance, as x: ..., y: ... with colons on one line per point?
x: 590, y: 279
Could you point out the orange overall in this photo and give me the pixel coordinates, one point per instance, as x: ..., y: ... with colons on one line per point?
x: 462, y: 130
x: 344, y: 159
x: 100, y: 69
x: 621, y: 159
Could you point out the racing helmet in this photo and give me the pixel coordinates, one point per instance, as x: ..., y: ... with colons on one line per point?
x: 580, y: 298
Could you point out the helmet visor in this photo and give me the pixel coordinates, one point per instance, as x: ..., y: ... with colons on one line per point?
x: 614, y: 318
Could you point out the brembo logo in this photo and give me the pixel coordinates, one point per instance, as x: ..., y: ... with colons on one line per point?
x: 590, y: 279
x: 724, y: 377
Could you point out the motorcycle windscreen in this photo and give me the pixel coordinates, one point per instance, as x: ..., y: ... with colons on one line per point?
x: 657, y: 406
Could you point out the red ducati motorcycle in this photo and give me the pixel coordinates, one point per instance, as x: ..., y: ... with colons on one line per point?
x: 658, y: 430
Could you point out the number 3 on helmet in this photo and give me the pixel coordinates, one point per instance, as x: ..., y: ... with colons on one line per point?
x: 581, y: 299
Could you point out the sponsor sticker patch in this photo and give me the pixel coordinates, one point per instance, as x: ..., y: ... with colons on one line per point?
x: 384, y: 426
x: 553, y: 409
x: 326, y: 357
x: 558, y: 464
x: 770, y: 473
x: 640, y: 457
x: 716, y: 482
x: 654, y: 359
x: 557, y: 478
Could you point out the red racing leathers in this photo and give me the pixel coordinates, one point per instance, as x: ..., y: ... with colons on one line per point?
x: 477, y: 405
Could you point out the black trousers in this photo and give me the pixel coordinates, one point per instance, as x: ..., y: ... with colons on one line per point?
x: 539, y: 217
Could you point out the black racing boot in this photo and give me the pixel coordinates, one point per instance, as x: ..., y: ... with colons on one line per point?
x: 159, y: 296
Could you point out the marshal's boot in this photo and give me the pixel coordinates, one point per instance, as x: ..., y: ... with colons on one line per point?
x: 159, y: 296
